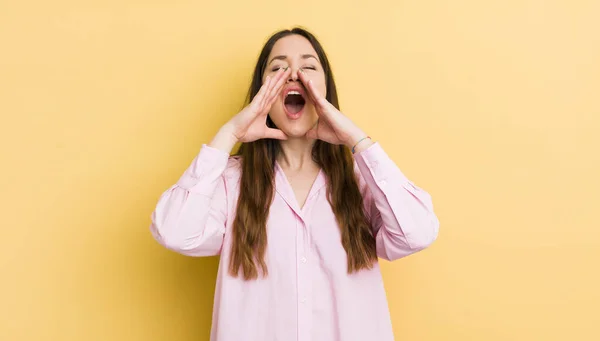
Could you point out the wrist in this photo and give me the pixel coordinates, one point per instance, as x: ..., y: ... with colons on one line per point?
x: 354, y: 138
x: 362, y: 144
x: 228, y: 129
x: 225, y: 139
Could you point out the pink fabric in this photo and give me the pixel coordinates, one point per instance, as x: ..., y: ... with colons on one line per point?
x: 308, y: 294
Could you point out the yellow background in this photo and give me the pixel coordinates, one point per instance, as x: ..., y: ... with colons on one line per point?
x: 491, y: 106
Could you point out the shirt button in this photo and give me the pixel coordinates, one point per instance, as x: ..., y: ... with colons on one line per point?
x: 303, y: 300
x: 303, y: 259
x: 383, y: 182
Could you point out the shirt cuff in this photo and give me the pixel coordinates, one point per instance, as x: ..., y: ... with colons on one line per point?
x: 380, y: 165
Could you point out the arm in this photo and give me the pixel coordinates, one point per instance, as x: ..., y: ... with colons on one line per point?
x: 191, y: 215
x: 401, y: 213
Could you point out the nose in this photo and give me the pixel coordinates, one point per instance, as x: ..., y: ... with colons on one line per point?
x: 293, y: 76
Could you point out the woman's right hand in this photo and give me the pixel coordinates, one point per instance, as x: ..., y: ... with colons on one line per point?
x: 250, y: 124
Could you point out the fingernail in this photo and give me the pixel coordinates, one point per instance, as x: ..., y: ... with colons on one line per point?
x: 287, y: 67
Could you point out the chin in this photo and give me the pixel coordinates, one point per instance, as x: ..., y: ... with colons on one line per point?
x: 295, y: 131
x: 294, y: 127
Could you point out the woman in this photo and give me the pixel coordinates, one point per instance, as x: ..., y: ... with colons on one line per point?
x: 301, y: 214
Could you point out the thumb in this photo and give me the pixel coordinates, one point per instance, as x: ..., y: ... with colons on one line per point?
x: 275, y: 134
x: 312, y: 133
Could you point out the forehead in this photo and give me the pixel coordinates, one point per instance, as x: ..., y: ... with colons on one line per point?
x: 292, y: 46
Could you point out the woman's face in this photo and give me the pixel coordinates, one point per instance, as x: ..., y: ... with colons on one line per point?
x: 293, y: 112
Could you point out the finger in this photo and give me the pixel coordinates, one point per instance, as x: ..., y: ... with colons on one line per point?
x: 319, y: 99
x: 324, y: 108
x: 259, y: 97
x: 313, y: 93
x: 276, y: 81
x: 268, y: 87
x: 312, y: 134
x: 276, y: 90
x: 275, y: 134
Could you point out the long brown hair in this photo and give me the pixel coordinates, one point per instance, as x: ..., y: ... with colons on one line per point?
x: 249, y: 234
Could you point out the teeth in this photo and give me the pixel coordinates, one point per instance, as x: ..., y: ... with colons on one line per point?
x: 293, y: 92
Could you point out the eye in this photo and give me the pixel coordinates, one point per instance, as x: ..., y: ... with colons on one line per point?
x: 309, y: 67
x: 276, y: 68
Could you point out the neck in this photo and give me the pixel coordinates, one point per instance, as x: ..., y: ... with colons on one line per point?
x: 296, y: 153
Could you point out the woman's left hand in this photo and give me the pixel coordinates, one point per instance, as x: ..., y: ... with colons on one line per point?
x: 332, y: 126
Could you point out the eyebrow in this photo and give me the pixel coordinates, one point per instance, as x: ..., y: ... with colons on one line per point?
x: 282, y: 57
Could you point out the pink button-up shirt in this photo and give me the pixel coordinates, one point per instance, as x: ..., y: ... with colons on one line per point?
x: 308, y: 293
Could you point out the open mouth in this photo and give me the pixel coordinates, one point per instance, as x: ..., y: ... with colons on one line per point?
x: 294, y: 102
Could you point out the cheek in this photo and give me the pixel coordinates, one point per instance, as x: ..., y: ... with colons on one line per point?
x: 323, y: 90
x: 318, y: 79
x: 321, y: 86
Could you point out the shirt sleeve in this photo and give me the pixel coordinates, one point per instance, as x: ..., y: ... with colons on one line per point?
x: 401, y: 214
x: 190, y: 217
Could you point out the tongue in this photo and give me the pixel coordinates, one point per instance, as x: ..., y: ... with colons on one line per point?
x: 294, y: 108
